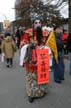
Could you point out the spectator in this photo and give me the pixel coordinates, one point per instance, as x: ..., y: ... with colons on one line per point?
x: 58, y: 68
x: 8, y: 48
x: 64, y: 39
x: 68, y: 46
x: 19, y: 34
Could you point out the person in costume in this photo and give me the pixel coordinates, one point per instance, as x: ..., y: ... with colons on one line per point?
x: 33, y: 42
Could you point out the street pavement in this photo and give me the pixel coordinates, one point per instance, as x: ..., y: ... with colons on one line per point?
x: 13, y: 91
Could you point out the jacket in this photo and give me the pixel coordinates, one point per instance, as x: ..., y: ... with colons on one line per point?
x: 68, y: 45
x: 59, y: 42
x: 8, y: 47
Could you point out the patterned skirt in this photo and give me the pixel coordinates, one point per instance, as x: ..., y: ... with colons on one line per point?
x: 33, y: 89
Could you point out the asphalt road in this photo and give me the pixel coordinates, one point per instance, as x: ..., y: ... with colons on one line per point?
x: 13, y: 91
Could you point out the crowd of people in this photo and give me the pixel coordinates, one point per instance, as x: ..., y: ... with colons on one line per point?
x: 37, y: 57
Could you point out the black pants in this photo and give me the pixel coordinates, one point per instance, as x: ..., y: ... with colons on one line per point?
x: 65, y: 51
x: 9, y: 61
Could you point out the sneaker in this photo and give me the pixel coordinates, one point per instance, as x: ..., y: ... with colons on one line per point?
x: 63, y: 79
x: 7, y: 65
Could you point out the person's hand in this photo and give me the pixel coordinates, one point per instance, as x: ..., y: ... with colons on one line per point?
x: 64, y: 46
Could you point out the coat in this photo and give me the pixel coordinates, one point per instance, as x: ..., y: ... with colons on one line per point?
x: 59, y: 42
x: 64, y: 38
x: 8, y: 47
x: 68, y: 45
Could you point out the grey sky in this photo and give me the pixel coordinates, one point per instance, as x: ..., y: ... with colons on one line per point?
x: 6, y: 10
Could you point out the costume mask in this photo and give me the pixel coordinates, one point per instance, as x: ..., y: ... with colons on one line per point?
x: 37, y: 23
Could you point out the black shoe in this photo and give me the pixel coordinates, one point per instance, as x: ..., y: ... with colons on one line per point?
x: 63, y: 79
x: 7, y: 65
x: 59, y: 81
x: 30, y: 99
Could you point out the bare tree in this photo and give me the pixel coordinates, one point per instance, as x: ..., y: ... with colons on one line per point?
x: 49, y: 10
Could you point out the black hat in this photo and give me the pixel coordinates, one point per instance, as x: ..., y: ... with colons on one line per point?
x: 7, y: 34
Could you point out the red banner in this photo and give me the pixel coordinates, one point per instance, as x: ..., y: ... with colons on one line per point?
x: 42, y: 66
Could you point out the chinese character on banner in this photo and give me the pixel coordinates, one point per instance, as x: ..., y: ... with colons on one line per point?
x: 42, y: 66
